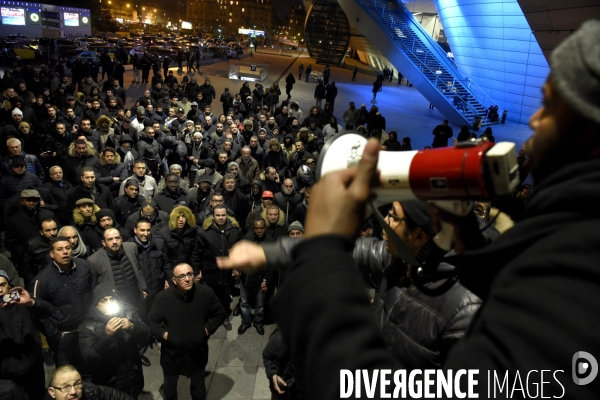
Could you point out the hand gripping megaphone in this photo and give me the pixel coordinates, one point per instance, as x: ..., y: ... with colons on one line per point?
x: 451, y: 177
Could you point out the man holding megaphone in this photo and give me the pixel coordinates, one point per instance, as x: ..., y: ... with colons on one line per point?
x: 539, y: 281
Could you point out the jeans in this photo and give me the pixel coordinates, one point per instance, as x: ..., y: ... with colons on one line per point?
x: 136, y: 74
x: 319, y: 102
x: 248, y: 295
x: 197, y: 385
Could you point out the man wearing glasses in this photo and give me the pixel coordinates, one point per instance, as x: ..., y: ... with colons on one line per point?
x: 66, y: 384
x: 117, y: 263
x: 183, y: 317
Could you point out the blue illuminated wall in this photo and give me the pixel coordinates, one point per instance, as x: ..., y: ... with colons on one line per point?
x: 494, y: 46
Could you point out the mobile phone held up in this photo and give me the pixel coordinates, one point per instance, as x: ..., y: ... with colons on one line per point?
x: 13, y: 295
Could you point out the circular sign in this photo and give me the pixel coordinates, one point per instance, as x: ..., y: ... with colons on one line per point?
x: 34, y: 17
x: 84, y: 20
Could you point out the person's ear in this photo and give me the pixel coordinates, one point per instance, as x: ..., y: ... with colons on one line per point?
x: 51, y: 392
x: 174, y: 280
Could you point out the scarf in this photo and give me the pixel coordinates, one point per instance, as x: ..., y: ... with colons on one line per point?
x: 142, y: 245
x: 129, y: 159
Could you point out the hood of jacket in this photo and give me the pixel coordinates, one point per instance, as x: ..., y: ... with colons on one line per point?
x: 231, y: 222
x: 104, y: 118
x: 115, y: 162
x: 78, y: 218
x: 187, y: 213
x: 280, y: 220
x: 91, y: 151
x: 309, y: 138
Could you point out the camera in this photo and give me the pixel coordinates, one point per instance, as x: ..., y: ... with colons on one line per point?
x: 10, y: 296
x: 290, y: 384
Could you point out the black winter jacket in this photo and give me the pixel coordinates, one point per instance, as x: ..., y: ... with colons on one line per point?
x: 12, y: 184
x: 287, y: 203
x: 123, y: 207
x: 213, y: 243
x: 186, y: 349
x: 97, y: 392
x: 37, y: 257
x: 443, y: 319
x: 149, y: 149
x: 21, y: 226
x: 114, y: 361
x: 68, y: 292
x: 61, y: 196
x: 102, y: 198
x: 20, y: 338
x: 74, y: 166
x: 180, y: 248
x: 166, y: 200
x: 154, y: 262
x: 278, y: 160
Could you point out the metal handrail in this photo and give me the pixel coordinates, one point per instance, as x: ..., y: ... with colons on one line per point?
x: 439, y: 83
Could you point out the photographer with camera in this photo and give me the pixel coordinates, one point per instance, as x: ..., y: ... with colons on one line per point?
x: 22, y: 361
x: 538, y: 281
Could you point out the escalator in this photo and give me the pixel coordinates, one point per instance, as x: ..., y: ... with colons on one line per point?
x: 420, y: 59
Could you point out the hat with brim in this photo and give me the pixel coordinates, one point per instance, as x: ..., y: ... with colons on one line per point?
x: 84, y: 199
x: 29, y: 193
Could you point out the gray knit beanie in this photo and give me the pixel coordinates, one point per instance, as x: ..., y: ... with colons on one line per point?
x: 575, y: 66
x: 297, y: 226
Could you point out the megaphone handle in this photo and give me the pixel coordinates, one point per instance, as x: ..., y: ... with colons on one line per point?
x: 444, y: 237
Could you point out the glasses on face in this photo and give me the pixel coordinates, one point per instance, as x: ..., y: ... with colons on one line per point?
x: 189, y: 275
x: 394, y: 216
x: 67, y: 388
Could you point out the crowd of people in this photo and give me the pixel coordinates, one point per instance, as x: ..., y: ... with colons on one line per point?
x: 115, y: 216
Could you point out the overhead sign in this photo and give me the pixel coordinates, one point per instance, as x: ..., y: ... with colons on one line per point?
x: 186, y: 25
x: 254, y: 32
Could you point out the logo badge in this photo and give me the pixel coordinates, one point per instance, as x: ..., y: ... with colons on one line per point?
x: 584, y: 363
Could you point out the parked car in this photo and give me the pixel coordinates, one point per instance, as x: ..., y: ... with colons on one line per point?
x: 90, y: 56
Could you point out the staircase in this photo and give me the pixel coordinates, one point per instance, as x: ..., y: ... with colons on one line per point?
x: 420, y: 59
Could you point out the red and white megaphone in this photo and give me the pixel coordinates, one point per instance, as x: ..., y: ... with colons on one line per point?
x: 452, y: 177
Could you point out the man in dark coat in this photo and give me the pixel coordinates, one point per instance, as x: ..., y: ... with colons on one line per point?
x: 152, y: 257
x: 37, y: 255
x: 542, y: 269
x: 66, y: 283
x: 129, y: 203
x: 16, y: 180
x: 22, y: 361
x: 80, y: 155
x: 109, y: 338
x: 89, y: 186
x: 183, y: 318
x: 172, y: 195
x: 23, y: 224
x: 218, y: 234
x: 208, y: 92
x: 441, y: 134
x: 118, y: 264
x: 288, y: 199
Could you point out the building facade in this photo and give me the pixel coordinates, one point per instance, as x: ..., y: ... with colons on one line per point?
x: 225, y: 17
x: 43, y: 20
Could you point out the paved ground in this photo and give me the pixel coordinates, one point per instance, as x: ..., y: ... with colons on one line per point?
x: 235, y: 363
